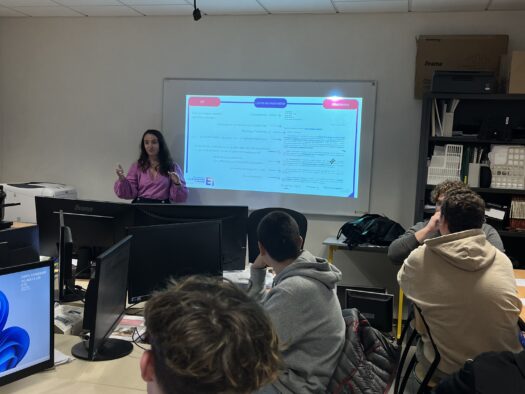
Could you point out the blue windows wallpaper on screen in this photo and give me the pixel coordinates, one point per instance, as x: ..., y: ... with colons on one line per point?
x: 24, y: 319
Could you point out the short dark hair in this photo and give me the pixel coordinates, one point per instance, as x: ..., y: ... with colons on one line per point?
x: 463, y: 210
x: 445, y: 187
x: 208, y: 336
x: 279, y: 233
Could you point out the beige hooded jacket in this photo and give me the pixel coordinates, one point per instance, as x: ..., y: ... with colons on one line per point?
x: 466, y: 290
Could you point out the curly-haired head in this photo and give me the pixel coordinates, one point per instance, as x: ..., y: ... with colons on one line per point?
x: 208, y: 336
x: 462, y: 210
x: 445, y: 187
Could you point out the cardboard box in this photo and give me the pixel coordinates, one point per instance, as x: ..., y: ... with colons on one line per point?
x: 476, y: 52
x: 516, y: 82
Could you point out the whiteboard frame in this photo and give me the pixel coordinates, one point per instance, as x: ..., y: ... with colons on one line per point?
x: 173, y: 118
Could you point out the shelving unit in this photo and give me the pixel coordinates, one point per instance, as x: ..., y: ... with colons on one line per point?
x: 472, y: 114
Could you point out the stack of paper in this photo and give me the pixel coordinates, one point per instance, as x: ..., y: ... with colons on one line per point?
x: 131, y: 328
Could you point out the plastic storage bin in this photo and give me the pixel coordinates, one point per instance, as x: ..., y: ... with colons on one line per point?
x: 445, y: 165
x: 507, y: 164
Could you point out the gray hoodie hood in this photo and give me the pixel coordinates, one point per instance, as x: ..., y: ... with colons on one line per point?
x: 467, y: 250
x: 307, y: 265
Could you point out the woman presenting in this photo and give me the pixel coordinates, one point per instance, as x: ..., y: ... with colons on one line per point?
x: 154, y: 178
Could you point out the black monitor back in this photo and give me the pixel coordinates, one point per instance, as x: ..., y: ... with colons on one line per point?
x: 161, y: 252
x: 233, y: 219
x: 94, y: 224
x: 105, y: 301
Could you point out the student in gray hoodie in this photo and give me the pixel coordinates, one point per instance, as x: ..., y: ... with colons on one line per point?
x: 302, y: 305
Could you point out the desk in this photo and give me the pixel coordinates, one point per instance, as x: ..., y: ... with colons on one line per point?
x: 520, y: 274
x: 121, y: 376
x: 333, y: 244
x: 337, y: 244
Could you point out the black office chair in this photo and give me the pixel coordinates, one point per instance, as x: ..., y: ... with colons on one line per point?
x: 400, y: 383
x: 255, y: 218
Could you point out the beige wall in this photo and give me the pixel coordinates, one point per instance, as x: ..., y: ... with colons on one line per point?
x: 76, y: 93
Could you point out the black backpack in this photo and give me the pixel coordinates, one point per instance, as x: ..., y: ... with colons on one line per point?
x: 370, y: 229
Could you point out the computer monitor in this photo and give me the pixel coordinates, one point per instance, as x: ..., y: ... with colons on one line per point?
x: 95, y: 225
x: 26, y: 320
x: 171, y: 251
x: 234, y: 221
x: 19, y: 245
x: 104, y: 306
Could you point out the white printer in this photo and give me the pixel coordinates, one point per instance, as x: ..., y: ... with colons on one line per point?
x: 25, y: 193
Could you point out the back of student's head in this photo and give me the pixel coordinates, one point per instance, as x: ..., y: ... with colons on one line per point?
x: 445, y: 187
x: 463, y: 210
x: 279, y: 233
x: 208, y: 336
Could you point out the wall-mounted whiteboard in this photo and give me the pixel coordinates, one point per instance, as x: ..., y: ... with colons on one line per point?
x: 304, y: 145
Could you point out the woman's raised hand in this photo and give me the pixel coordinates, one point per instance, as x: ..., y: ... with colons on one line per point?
x: 120, y: 172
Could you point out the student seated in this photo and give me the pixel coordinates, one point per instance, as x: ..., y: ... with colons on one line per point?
x: 302, y: 305
x: 464, y: 286
x: 207, y: 336
x: 399, y: 250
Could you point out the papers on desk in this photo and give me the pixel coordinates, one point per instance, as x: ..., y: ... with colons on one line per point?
x: 130, y: 328
x: 242, y: 278
x: 522, y: 301
x: 239, y: 277
x: 61, y: 358
x: 520, y: 282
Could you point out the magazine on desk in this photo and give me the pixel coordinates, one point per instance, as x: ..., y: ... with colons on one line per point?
x: 130, y: 328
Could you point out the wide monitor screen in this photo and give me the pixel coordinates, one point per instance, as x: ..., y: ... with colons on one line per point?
x: 161, y: 252
x: 95, y: 225
x: 234, y: 222
x: 26, y: 318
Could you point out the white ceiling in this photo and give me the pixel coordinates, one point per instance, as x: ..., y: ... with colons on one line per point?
x: 82, y: 8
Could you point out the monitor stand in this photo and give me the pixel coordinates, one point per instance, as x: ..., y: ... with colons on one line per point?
x: 70, y: 295
x: 83, y: 270
x: 111, y: 349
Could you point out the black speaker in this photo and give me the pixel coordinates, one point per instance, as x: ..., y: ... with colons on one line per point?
x: 496, y: 128
x: 485, y: 176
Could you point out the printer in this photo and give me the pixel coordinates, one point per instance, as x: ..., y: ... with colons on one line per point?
x: 24, y: 193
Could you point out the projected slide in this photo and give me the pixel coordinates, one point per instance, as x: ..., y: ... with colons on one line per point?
x: 296, y: 145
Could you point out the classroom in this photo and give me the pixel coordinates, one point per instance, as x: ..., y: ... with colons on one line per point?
x: 80, y: 81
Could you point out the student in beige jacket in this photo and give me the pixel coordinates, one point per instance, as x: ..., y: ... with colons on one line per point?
x: 464, y: 286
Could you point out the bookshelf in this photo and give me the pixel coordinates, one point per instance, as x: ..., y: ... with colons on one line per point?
x: 477, y: 117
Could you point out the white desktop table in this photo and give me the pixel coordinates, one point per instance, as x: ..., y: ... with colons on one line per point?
x: 119, y: 376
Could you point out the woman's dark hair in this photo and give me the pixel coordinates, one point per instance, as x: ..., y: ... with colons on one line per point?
x: 165, y: 160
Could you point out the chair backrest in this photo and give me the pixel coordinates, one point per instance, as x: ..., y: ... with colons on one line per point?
x: 400, y: 384
x: 255, y: 218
